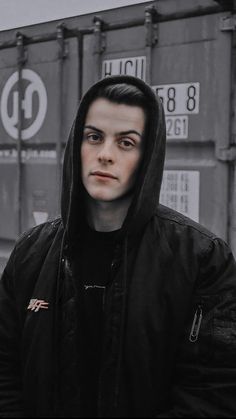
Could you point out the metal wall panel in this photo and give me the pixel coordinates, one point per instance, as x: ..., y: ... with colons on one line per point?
x: 40, y: 202
x: 190, y: 68
x: 199, y: 53
x: 41, y: 94
x: 8, y: 195
x: 30, y: 167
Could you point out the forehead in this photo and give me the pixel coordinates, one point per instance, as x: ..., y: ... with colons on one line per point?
x: 105, y: 112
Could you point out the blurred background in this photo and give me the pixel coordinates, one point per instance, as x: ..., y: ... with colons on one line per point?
x: 52, y: 51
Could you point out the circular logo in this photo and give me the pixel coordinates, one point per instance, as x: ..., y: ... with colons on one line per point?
x: 35, y: 86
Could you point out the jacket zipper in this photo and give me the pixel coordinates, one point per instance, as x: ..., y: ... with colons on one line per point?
x: 193, y: 336
x: 113, y: 266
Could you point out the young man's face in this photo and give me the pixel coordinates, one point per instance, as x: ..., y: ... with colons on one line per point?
x: 111, y: 149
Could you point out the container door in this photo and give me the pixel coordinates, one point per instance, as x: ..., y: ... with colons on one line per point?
x: 30, y: 189
x: 191, y: 72
x: 190, y: 68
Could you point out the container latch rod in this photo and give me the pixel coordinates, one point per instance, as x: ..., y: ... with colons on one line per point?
x: 228, y: 23
x: 227, y: 154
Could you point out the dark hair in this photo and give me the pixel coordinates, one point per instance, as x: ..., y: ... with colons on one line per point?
x: 124, y: 93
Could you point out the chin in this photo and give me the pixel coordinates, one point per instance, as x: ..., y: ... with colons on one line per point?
x: 103, y: 198
x: 101, y: 195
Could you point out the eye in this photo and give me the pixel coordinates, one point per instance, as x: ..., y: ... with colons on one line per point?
x: 126, y: 143
x: 92, y: 137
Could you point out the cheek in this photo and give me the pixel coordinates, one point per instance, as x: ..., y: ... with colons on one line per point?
x: 84, y: 158
x: 132, y: 167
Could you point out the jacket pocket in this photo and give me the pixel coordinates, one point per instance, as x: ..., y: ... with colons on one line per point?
x: 199, y: 340
x: 224, y: 330
x: 197, y: 320
x: 210, y: 334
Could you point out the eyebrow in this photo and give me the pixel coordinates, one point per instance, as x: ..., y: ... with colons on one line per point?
x: 132, y: 131
x: 93, y: 128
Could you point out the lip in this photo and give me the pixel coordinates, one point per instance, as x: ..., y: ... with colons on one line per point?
x: 103, y: 174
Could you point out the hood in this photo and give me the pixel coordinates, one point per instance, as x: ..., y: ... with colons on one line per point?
x: 148, y: 184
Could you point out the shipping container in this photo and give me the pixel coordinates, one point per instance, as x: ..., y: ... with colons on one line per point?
x: 185, y: 49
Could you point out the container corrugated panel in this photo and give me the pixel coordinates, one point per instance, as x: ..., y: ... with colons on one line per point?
x: 182, y: 48
x: 30, y: 186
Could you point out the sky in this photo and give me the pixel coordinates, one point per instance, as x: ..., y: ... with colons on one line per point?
x: 18, y: 13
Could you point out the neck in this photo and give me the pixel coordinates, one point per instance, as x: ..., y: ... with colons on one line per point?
x: 107, y: 216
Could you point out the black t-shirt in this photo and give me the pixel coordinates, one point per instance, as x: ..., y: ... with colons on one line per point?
x: 93, y: 271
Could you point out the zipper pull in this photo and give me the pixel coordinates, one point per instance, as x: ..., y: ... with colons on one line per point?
x: 193, y: 336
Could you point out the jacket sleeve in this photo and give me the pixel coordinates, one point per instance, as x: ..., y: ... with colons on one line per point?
x: 205, y: 374
x: 10, y: 364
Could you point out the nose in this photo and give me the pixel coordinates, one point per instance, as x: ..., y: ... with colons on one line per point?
x: 106, y: 152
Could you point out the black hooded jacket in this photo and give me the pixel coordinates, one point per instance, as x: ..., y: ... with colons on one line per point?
x: 169, y: 344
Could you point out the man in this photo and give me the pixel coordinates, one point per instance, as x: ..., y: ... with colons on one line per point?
x: 121, y: 307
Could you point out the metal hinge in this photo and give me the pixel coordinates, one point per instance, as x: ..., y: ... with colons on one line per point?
x: 227, y: 154
x: 63, y: 46
x: 100, y: 37
x: 151, y: 14
x: 228, y: 23
x: 22, y: 52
